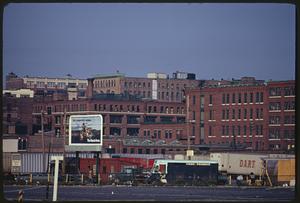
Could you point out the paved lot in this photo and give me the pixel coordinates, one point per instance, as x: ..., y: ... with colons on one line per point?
x: 151, y: 193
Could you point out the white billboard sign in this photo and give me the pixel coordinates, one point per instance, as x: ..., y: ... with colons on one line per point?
x: 85, y: 130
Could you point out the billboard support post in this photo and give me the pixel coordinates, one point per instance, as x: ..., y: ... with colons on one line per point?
x: 97, y: 167
x: 77, y: 162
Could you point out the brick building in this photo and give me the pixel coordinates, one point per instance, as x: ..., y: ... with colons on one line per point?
x: 156, y: 86
x: 281, y: 115
x: 243, y: 114
x: 17, y: 118
x: 44, y: 85
x: 130, y: 126
x: 239, y: 114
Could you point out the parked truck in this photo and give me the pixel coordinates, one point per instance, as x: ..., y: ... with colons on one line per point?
x: 187, y: 172
x: 253, y: 168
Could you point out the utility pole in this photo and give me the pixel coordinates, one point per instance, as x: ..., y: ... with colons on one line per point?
x: 64, y: 136
x: 43, y: 139
x: 187, y: 122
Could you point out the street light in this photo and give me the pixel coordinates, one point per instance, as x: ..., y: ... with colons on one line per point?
x: 43, y: 139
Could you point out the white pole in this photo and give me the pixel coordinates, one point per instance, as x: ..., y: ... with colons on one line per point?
x: 56, y: 158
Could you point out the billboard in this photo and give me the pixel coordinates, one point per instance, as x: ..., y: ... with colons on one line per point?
x: 85, y: 130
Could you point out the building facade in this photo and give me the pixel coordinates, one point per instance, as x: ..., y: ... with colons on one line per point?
x: 45, y: 85
x: 156, y: 86
x: 130, y: 126
x: 256, y: 116
x: 243, y: 114
x: 281, y: 115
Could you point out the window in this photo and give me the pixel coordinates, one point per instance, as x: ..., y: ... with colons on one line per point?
x: 227, y: 130
x: 261, y: 113
x: 194, y: 115
x: 289, y: 91
x: 274, y: 133
x: 155, y: 134
x: 239, y: 114
x: 251, y: 113
x: 290, y: 105
x: 251, y: 97
x: 210, y: 99
x: 163, y: 151
x: 274, y: 106
x: 61, y: 84
x: 140, y: 151
x: 261, y: 97
x: 289, y: 119
x: 227, y: 114
x: 245, y: 130
x: 155, y: 151
x: 257, y: 97
x: 40, y: 84
x: 233, y: 130
x: 210, y: 114
x: 275, y: 91
x: 210, y: 131
x: 194, y: 100
x: 166, y: 134
x: 239, y: 130
x: 223, y: 98
x: 132, y: 150
x: 124, y: 150
x: 245, y: 97
x: 245, y: 113
x: 257, y: 113
x: 223, y: 114
x: 240, y: 98
x: 233, y: 98
x: 193, y: 131
x: 57, y: 119
x: 274, y: 120
x: 50, y: 84
x: 227, y: 98
x: 233, y: 113
x: 223, y: 130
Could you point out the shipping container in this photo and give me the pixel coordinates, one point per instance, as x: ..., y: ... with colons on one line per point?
x: 192, y: 173
x: 281, y: 171
x: 35, y: 162
x: 6, y: 160
x: 239, y: 163
x: 10, y: 145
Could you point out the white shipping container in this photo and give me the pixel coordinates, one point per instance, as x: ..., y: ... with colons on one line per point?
x: 10, y: 145
x: 238, y: 163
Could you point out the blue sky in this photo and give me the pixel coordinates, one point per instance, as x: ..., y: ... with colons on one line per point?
x: 212, y: 40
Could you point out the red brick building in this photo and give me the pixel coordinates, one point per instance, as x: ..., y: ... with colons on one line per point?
x: 243, y: 114
x: 130, y: 126
x: 281, y: 115
x: 156, y: 86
